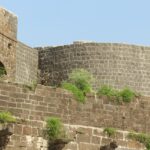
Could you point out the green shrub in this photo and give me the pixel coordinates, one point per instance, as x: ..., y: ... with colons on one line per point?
x: 54, y: 128
x: 127, y: 95
x: 82, y: 79
x: 107, y: 91
x: 6, y: 117
x: 140, y: 137
x: 31, y: 86
x: 110, y: 131
x: 79, y: 95
x: 79, y: 83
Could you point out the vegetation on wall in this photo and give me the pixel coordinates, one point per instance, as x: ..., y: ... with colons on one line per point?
x: 2, y: 71
x: 54, y: 129
x: 82, y: 79
x: 6, y: 117
x: 79, y: 83
x: 125, y: 95
x: 78, y: 94
x: 110, y: 131
x: 31, y: 86
x: 140, y: 137
x: 55, y: 134
x: 107, y: 91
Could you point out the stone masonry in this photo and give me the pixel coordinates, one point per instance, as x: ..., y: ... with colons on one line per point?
x: 8, y: 37
x: 84, y: 122
x: 26, y: 64
x: 118, y: 65
x: 20, y: 61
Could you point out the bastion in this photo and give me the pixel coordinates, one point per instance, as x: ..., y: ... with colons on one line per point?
x: 118, y: 65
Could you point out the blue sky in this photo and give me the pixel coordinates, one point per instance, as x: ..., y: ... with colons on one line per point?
x: 58, y: 22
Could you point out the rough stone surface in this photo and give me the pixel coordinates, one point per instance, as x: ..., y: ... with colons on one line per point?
x: 26, y: 64
x: 20, y: 61
x: 118, y: 65
x: 84, y: 122
x: 8, y: 34
x: 8, y: 24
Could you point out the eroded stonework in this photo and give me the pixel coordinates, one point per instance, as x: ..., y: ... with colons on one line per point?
x: 84, y: 123
x: 8, y: 37
x: 118, y: 65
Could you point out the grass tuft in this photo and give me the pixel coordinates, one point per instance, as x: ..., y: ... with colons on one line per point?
x: 6, y: 117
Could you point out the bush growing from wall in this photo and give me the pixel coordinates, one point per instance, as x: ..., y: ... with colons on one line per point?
x: 54, y: 128
x: 110, y: 131
x: 79, y: 83
x: 76, y: 92
x: 140, y: 137
x: 125, y: 95
x: 107, y: 91
x: 56, y: 134
x: 6, y: 117
x: 31, y: 86
x: 82, y: 79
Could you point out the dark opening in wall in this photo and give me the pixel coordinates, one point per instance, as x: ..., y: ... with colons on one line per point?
x: 9, y: 45
x: 2, y: 70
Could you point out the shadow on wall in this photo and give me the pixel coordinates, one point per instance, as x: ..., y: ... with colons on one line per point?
x: 2, y: 70
x: 112, y: 146
x: 5, y: 133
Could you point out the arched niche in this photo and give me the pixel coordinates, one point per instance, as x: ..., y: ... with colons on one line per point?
x: 2, y: 70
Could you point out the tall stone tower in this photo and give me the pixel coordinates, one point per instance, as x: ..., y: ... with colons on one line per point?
x: 8, y: 42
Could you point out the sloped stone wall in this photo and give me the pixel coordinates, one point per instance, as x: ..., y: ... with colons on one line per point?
x: 32, y: 108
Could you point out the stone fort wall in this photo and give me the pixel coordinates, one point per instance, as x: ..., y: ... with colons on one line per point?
x: 19, y: 60
x: 118, y: 65
x: 32, y: 108
x: 26, y: 64
x: 8, y: 36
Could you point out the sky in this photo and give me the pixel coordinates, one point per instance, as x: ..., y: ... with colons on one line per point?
x: 59, y: 22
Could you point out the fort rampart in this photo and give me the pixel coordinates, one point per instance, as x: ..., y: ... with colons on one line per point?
x: 118, y: 65
x: 32, y: 108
